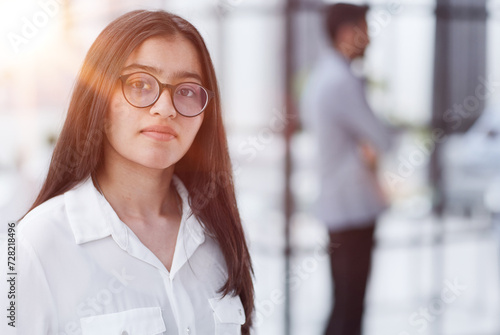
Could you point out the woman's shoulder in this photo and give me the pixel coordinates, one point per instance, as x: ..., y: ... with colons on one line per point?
x: 41, y: 223
x: 44, y: 210
x: 52, y: 211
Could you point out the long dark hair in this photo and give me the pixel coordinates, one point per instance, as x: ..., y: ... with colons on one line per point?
x: 205, y: 169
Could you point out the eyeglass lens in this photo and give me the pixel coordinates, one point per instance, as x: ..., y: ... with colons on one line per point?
x: 142, y: 90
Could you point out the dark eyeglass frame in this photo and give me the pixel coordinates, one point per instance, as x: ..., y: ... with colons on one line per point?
x: 162, y: 86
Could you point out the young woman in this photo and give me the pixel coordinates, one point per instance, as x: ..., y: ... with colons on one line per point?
x: 136, y: 229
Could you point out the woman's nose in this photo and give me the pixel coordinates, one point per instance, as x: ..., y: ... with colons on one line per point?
x: 164, y: 106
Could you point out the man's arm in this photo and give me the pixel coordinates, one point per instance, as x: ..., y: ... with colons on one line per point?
x: 359, y: 119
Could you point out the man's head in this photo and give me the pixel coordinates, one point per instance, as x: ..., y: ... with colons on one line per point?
x: 347, y: 28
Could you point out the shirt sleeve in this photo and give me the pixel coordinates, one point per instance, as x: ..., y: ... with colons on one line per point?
x: 35, y: 302
x: 357, y: 117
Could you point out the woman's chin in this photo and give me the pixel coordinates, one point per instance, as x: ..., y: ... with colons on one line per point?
x: 158, y: 165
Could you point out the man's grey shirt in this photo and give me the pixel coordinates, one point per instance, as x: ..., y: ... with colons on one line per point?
x: 335, y: 109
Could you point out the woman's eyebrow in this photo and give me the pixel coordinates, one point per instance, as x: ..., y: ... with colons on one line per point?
x: 185, y: 75
x: 147, y: 68
x: 159, y: 72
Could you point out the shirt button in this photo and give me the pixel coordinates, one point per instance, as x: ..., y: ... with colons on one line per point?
x: 124, y: 332
x: 241, y: 312
x: 188, y: 331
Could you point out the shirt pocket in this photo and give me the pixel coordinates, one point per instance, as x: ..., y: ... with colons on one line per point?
x: 140, y: 321
x: 229, y: 315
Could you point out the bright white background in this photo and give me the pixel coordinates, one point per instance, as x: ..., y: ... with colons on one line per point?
x: 246, y: 40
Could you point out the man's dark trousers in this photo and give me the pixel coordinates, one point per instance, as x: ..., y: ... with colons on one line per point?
x: 350, y: 265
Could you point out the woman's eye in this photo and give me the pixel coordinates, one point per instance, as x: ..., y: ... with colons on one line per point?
x: 185, y: 92
x: 139, y: 85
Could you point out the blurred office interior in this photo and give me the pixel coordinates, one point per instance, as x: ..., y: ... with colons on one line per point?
x: 426, y: 58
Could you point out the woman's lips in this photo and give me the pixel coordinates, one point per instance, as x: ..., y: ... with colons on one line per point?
x: 160, y: 133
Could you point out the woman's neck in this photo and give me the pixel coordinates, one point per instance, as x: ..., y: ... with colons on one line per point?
x: 138, y: 192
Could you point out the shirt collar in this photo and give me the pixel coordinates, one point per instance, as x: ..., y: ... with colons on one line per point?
x: 192, y: 224
x: 331, y: 52
x: 191, y: 234
x: 85, y: 215
x: 92, y: 218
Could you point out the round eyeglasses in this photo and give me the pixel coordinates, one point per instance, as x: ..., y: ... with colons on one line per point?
x: 142, y: 90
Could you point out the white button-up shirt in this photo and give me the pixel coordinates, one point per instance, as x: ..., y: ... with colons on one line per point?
x: 335, y: 109
x: 83, y: 271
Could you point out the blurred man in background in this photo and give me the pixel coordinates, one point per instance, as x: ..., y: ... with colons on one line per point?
x: 349, y: 138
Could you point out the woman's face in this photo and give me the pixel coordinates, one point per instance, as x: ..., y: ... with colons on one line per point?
x: 156, y: 136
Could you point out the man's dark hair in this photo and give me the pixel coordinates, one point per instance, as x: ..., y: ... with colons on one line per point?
x: 340, y: 14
